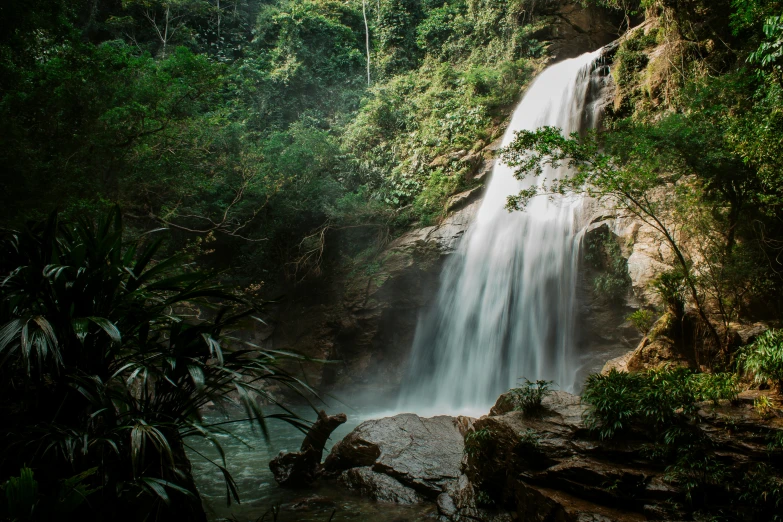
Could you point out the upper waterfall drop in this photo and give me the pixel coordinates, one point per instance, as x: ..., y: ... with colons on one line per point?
x: 506, y: 307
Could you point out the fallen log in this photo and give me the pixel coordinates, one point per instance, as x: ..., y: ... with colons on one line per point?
x: 301, y: 468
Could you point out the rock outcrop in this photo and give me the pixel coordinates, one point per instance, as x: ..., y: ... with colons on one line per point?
x: 552, y: 467
x: 668, y: 343
x: 548, y: 467
x: 408, y: 459
x: 421, y: 455
x: 365, y: 320
x: 572, y: 28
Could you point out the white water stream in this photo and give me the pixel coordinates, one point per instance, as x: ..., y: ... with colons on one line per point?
x: 506, y: 308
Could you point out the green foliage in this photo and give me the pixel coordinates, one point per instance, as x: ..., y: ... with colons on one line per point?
x: 654, y: 400
x: 642, y: 320
x: 529, y: 396
x: 484, y: 499
x: 763, y: 406
x: 670, y: 286
x: 398, y: 20
x: 695, y: 469
x: 252, y: 122
x: 22, y: 499
x: 716, y: 387
x: 630, y: 59
x: 603, y: 252
x: 769, y: 55
x: 477, y: 441
x: 108, y: 363
x: 661, y: 405
x: 748, y: 15
x: 406, y: 139
x: 764, y: 491
x: 775, y: 440
x: 530, y: 438
x: 764, y: 358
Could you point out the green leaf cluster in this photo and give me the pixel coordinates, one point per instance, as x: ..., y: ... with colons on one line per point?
x: 109, y: 353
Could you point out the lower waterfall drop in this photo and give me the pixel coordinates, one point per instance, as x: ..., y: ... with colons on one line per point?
x: 506, y: 308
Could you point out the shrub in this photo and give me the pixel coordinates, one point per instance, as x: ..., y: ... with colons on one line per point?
x: 716, y: 387
x: 763, y: 406
x: 22, y: 498
x: 529, y: 396
x: 653, y: 400
x: 695, y: 469
x: 764, y: 358
x: 670, y: 286
x: 764, y: 492
x: 530, y: 438
x: 642, y: 320
x: 476, y: 441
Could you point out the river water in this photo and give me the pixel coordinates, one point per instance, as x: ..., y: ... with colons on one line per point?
x: 248, y: 463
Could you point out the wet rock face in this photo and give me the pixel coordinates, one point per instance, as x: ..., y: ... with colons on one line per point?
x: 421, y: 454
x: 551, y: 467
x: 366, y: 319
x: 572, y: 28
x: 408, y: 459
x: 378, y: 486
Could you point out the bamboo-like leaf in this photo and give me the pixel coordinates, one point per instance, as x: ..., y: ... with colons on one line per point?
x: 231, y: 487
x: 54, y: 271
x: 215, y: 350
x: 10, y: 332
x: 108, y: 327
x: 197, y: 374
x: 146, y: 257
x: 157, y: 488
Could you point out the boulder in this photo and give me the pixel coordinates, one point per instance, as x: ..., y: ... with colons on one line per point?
x: 421, y: 454
x: 667, y: 344
x: 408, y: 459
x: 619, y: 364
x: 378, y: 486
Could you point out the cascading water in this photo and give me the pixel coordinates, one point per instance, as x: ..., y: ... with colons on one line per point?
x: 507, y: 304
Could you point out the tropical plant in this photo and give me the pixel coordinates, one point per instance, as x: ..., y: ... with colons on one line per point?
x: 528, y: 397
x: 770, y: 52
x: 108, y: 354
x: 476, y: 441
x: 654, y: 401
x: 22, y: 500
x: 642, y: 320
x: 764, y: 358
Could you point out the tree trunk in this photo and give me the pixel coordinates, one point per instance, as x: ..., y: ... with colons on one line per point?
x: 300, y: 469
x: 367, y: 38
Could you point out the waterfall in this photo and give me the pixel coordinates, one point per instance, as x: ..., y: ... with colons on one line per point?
x: 506, y: 308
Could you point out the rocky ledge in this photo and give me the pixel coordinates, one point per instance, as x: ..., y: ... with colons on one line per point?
x: 509, y: 466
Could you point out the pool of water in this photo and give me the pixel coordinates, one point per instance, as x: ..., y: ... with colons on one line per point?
x: 248, y: 456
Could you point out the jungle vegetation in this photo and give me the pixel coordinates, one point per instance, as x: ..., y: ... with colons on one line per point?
x: 262, y: 135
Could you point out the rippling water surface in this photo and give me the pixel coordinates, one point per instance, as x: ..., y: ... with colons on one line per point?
x: 248, y: 462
